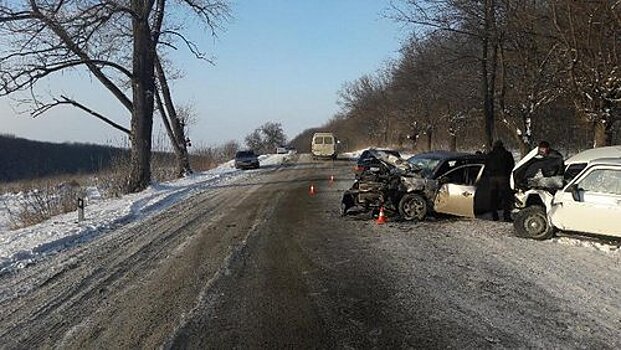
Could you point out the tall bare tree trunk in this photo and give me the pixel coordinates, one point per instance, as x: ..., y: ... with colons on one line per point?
x: 600, y: 134
x: 615, y: 134
x: 143, y: 86
x: 173, y: 125
x: 429, y: 134
x: 386, y: 130
x: 453, y: 142
x: 487, y: 82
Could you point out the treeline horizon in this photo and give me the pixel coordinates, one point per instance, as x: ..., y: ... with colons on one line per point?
x: 25, y: 159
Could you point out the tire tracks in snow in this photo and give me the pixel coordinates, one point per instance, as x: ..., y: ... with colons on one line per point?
x: 71, y: 298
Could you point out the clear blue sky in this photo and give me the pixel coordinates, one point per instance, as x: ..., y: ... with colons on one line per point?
x: 277, y: 60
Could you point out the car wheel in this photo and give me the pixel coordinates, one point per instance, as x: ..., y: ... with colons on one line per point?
x: 413, y: 207
x: 532, y: 222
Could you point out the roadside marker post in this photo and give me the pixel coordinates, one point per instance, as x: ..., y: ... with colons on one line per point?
x: 80, y: 209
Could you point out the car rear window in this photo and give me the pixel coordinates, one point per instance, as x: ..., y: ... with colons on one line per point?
x: 319, y: 140
x: 328, y: 140
x: 244, y: 154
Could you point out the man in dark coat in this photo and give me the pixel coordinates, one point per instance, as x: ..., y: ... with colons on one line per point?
x: 554, y: 165
x: 546, y: 164
x: 498, y: 167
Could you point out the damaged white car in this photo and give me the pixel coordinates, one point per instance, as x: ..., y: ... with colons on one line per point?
x: 587, y: 199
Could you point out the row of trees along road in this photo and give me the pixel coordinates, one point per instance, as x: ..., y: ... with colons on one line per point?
x: 122, y: 44
x: 476, y: 70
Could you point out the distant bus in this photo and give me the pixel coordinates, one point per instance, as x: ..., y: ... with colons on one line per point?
x: 324, y: 145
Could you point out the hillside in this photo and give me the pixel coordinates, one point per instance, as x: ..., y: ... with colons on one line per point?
x: 26, y: 159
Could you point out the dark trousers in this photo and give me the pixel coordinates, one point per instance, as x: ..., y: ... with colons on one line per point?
x: 501, y: 196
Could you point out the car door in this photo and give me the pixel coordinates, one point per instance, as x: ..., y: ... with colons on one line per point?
x: 456, y: 194
x: 596, y: 207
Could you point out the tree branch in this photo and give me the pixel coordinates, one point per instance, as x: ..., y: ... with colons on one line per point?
x: 67, y: 101
x: 64, y: 36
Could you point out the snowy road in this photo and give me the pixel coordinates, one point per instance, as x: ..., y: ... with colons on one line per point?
x: 258, y: 263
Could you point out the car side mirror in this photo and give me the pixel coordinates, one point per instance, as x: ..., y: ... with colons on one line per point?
x: 443, y: 180
x: 575, y: 192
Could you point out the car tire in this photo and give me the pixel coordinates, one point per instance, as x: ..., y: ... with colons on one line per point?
x: 532, y: 222
x: 413, y: 207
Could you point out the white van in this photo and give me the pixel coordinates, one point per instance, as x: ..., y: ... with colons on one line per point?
x: 324, y: 145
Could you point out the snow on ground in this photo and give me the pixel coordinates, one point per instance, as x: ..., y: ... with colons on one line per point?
x: 609, y: 248
x: 352, y: 155
x: 19, y: 248
x: 10, y: 200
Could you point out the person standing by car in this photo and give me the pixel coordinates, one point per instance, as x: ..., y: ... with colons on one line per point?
x: 555, y: 164
x: 498, y: 167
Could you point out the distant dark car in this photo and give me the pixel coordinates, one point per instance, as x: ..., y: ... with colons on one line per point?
x: 246, y: 160
x: 367, y: 160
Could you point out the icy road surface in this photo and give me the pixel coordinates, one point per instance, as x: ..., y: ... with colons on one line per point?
x: 22, y: 247
x: 258, y: 263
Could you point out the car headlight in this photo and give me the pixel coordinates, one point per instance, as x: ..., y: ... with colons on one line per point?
x: 518, y: 200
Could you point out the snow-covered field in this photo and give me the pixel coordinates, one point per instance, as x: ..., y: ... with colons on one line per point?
x: 19, y: 248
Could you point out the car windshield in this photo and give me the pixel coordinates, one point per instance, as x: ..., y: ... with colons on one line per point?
x: 244, y: 154
x: 427, y: 165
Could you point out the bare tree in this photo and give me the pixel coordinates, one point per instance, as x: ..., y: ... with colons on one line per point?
x: 266, y: 138
x: 530, y: 77
x: 476, y: 20
x: 589, y: 35
x: 173, y: 121
x: 115, y: 42
x: 368, y: 100
x: 254, y: 140
x: 229, y: 149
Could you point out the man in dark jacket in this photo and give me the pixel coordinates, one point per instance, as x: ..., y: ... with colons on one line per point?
x: 498, y: 167
x: 554, y: 165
